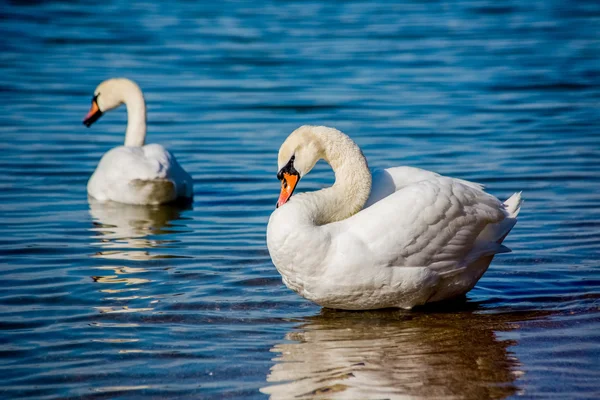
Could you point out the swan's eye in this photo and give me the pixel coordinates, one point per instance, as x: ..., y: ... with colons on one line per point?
x: 95, y: 98
x: 288, y: 167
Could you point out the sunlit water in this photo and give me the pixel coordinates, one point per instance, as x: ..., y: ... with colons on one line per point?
x: 107, y: 301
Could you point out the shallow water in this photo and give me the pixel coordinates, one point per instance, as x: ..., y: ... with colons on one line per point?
x: 107, y: 301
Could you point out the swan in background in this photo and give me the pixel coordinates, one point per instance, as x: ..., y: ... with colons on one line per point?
x: 402, y: 238
x: 134, y: 173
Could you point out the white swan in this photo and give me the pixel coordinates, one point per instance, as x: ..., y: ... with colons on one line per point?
x: 403, y: 238
x: 134, y: 173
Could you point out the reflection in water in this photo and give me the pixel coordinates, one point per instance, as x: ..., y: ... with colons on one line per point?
x: 120, y: 279
x: 122, y: 226
x: 396, y: 354
x: 131, y: 233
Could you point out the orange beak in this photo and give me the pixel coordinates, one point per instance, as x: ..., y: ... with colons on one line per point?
x: 93, y: 115
x: 288, y: 184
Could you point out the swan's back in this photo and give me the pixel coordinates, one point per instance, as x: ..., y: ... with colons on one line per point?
x: 139, y: 175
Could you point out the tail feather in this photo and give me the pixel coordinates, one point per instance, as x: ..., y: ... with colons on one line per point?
x: 490, y: 239
x: 513, y: 204
x: 487, y: 244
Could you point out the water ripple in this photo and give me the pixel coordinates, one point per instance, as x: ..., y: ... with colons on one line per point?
x: 108, y: 301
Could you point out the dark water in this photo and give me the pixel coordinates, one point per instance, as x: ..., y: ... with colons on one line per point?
x: 126, y: 302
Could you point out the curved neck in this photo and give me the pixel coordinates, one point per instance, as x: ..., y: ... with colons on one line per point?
x: 135, y: 135
x: 352, y: 185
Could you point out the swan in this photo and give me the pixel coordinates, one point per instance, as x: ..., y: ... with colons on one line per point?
x: 398, y: 239
x: 134, y: 173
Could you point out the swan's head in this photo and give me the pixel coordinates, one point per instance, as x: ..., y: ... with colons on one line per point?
x: 108, y: 95
x: 297, y: 156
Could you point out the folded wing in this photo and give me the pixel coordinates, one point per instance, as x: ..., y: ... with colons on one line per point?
x: 430, y: 221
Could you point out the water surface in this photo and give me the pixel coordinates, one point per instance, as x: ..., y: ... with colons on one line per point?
x: 107, y: 301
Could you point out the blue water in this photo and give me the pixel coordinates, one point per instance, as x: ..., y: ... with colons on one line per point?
x: 127, y: 302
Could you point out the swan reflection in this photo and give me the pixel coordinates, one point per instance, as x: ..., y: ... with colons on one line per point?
x: 120, y: 227
x: 396, y: 355
x: 131, y: 233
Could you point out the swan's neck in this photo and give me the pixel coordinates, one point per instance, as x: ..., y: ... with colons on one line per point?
x: 136, y: 116
x: 352, y: 184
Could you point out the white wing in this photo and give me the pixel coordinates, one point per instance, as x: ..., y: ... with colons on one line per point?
x: 432, y: 222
